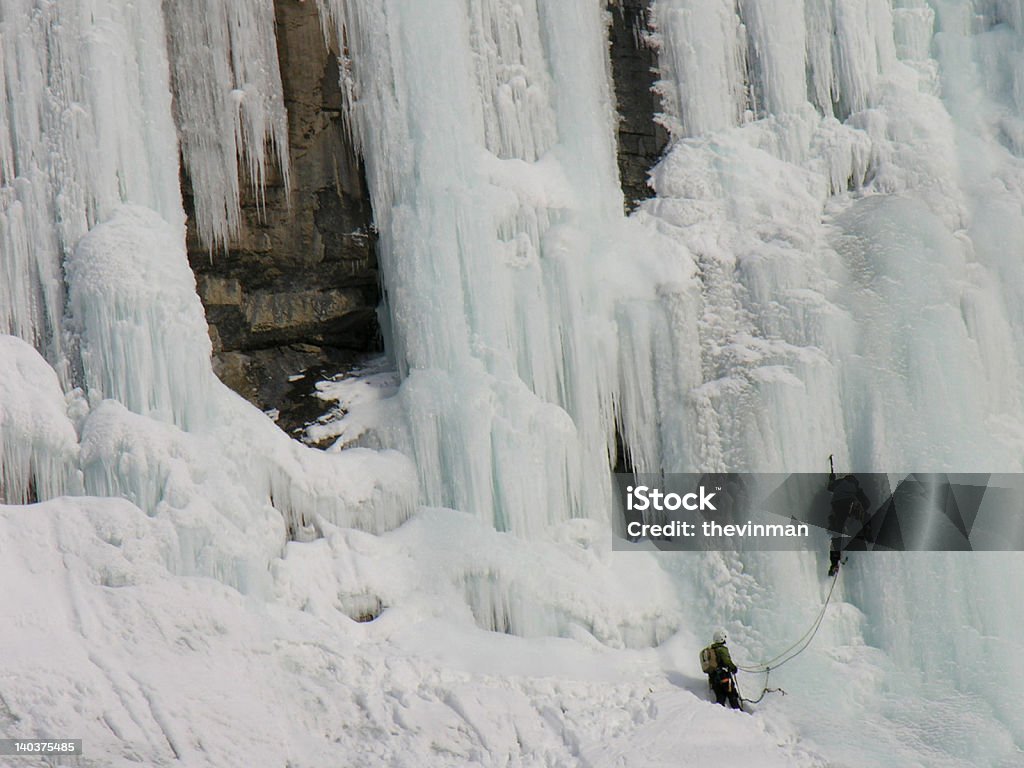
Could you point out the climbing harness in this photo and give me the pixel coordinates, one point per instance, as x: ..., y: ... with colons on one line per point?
x: 791, y: 652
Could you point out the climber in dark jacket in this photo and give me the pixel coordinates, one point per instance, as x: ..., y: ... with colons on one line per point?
x: 849, y: 503
x: 722, y: 681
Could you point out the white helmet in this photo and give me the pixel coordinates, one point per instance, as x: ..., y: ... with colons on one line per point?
x: 719, y: 636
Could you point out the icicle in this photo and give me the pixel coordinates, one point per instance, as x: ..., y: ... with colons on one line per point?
x: 38, y: 444
x: 513, y: 79
x: 777, y: 40
x: 73, y: 147
x: 702, y: 58
x: 913, y: 26
x: 492, y: 185
x: 864, y: 48
x: 229, y: 104
x: 143, y: 331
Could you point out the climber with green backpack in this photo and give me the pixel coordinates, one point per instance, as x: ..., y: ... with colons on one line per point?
x: 717, y: 663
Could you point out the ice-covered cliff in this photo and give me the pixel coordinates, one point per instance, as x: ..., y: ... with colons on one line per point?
x: 829, y: 264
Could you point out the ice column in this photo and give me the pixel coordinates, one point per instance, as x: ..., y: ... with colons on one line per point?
x: 84, y: 124
x: 143, y: 333
x: 488, y: 138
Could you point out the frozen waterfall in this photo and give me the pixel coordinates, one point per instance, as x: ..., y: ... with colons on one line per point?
x: 829, y: 263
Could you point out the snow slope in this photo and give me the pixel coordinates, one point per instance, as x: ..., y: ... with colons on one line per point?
x: 156, y: 669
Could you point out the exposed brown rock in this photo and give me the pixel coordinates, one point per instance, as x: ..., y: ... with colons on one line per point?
x: 298, y: 286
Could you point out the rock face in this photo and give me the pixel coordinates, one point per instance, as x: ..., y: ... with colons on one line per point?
x: 634, y: 66
x: 297, y: 289
x: 298, y: 286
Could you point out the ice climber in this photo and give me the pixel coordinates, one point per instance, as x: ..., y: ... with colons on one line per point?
x: 720, y: 670
x: 849, y: 504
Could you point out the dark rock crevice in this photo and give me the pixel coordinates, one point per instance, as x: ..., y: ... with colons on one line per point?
x: 634, y: 71
x: 297, y: 288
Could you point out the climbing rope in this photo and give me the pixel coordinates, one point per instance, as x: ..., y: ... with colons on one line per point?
x: 791, y: 652
x: 765, y: 690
